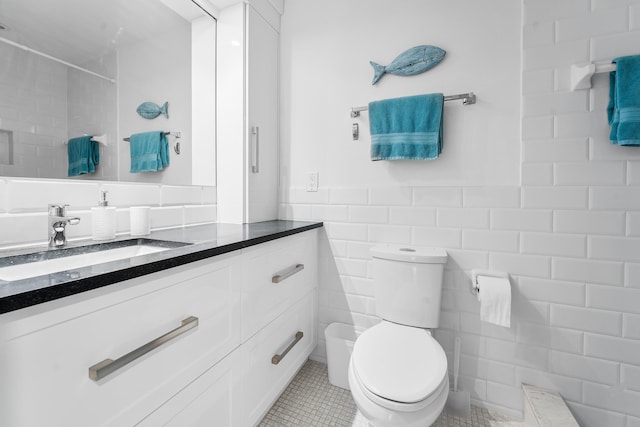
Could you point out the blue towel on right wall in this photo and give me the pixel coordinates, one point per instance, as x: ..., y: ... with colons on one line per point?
x: 623, y: 110
x: 149, y: 151
x: 408, y: 128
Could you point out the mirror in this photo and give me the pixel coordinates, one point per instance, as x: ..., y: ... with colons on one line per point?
x: 83, y: 67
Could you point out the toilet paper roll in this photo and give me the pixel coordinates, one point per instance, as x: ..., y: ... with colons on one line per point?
x: 140, y: 218
x: 494, y: 295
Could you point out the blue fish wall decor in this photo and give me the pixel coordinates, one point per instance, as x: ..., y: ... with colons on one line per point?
x: 410, y: 62
x: 151, y: 110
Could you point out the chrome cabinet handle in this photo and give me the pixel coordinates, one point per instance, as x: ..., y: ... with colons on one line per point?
x: 255, y: 164
x: 281, y: 275
x: 278, y: 357
x: 108, y: 366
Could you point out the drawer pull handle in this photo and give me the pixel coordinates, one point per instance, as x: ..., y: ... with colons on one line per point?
x: 108, y: 366
x: 255, y: 160
x: 278, y: 357
x: 281, y: 275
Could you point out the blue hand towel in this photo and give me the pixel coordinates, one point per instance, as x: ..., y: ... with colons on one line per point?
x: 406, y: 128
x: 149, y: 151
x: 623, y: 110
x: 83, y: 154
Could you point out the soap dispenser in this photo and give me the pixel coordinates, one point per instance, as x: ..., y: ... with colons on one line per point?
x: 103, y: 219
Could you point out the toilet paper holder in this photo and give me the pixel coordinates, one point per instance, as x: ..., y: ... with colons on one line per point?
x: 489, y: 273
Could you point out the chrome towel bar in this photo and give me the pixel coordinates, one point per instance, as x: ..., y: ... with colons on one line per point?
x: 108, y: 366
x: 281, y: 275
x: 278, y: 357
x: 467, y: 99
x: 174, y: 134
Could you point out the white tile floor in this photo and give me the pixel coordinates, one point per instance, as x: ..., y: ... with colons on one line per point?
x: 310, y: 400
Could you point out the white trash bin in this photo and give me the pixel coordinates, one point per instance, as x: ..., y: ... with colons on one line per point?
x: 340, y: 338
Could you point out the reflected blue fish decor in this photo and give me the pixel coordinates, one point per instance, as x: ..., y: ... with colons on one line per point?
x: 151, y: 110
x: 410, y: 62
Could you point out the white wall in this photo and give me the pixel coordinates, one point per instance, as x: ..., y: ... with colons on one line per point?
x: 569, y: 233
x: 144, y: 75
x: 326, y: 49
x: 203, y: 110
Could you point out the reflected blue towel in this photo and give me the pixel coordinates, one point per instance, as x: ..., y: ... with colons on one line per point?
x: 83, y: 155
x: 623, y: 110
x: 149, y: 151
x: 406, y: 128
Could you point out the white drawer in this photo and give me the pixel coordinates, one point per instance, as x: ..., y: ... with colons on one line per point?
x: 211, y: 400
x: 262, y: 299
x: 262, y: 380
x: 48, y: 369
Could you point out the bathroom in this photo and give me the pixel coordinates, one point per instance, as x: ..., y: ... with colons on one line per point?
x: 527, y: 183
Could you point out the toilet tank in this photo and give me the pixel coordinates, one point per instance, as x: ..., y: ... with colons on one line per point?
x: 408, y: 284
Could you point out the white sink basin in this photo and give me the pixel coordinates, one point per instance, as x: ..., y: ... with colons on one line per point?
x: 39, y: 268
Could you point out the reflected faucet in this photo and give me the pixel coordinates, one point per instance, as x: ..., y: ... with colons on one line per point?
x: 58, y: 221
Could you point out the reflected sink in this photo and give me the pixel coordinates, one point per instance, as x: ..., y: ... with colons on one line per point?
x: 21, y: 267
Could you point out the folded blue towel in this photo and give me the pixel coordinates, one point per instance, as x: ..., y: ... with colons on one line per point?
x: 149, y: 151
x: 83, y: 154
x: 623, y: 110
x: 407, y: 128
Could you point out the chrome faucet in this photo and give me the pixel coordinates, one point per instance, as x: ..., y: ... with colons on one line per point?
x: 58, y: 221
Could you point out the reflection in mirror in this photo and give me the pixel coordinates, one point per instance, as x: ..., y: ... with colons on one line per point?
x: 83, y: 67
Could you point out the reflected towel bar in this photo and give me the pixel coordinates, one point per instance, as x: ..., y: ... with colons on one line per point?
x: 467, y: 99
x: 176, y: 134
x: 102, y: 139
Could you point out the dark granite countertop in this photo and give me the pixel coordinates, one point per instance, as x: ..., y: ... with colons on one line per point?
x: 185, y: 245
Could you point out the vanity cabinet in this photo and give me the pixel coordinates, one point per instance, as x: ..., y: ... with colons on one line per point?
x: 206, y: 373
x: 45, y: 357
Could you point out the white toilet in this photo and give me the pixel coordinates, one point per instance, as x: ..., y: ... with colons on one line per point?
x: 398, y: 371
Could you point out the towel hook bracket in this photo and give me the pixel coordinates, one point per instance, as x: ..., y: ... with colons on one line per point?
x: 470, y: 99
x: 581, y: 74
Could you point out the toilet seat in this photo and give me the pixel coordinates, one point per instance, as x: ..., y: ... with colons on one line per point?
x: 399, y: 367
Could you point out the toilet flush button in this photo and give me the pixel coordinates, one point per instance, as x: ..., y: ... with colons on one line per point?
x: 407, y: 250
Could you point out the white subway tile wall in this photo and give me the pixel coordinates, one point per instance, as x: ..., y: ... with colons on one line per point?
x: 56, y: 102
x: 34, y: 195
x: 39, y: 121
x: 23, y: 206
x: 569, y: 236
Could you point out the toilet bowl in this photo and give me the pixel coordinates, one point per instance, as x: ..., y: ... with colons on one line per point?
x: 398, y: 376
x: 398, y: 371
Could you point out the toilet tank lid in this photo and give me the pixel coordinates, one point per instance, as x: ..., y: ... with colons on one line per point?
x: 410, y: 253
